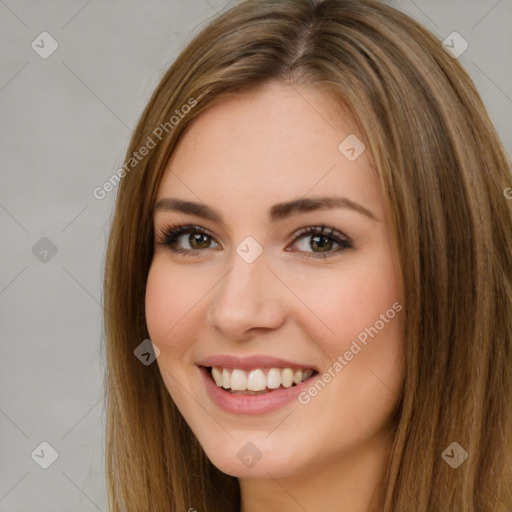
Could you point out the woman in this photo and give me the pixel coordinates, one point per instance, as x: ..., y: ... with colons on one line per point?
x: 312, y: 230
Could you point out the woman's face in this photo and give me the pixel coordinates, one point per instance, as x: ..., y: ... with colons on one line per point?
x: 261, y: 294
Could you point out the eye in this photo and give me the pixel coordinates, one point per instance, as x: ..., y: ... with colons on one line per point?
x: 321, y: 241
x: 174, y: 237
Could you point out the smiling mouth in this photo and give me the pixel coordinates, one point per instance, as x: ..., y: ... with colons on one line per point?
x: 258, y: 381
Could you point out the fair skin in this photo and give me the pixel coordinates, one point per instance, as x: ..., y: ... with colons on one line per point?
x: 241, y: 157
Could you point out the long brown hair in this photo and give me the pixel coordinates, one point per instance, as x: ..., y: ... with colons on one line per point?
x: 443, y: 173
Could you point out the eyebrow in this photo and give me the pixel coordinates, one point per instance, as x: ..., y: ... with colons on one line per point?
x: 276, y: 213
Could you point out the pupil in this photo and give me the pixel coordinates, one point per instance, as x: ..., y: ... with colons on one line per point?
x: 326, y: 243
x: 197, y: 239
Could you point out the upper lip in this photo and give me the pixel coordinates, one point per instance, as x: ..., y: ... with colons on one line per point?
x: 252, y: 362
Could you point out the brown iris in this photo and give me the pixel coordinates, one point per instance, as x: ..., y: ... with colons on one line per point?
x: 325, y: 245
x: 199, y: 240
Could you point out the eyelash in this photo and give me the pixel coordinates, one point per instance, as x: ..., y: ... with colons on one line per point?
x: 170, y: 234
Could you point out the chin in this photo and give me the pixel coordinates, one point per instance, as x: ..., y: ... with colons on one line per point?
x: 258, y: 459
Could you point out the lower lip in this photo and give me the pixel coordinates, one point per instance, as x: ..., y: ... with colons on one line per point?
x: 250, y: 404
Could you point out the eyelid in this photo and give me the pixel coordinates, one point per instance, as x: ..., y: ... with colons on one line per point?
x: 329, y: 232
x: 344, y: 242
x: 175, y: 231
x: 165, y: 232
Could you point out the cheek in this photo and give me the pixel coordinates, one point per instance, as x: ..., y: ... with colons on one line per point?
x: 358, y: 392
x: 344, y: 302
x: 170, y: 297
x: 170, y: 304
x: 158, y: 309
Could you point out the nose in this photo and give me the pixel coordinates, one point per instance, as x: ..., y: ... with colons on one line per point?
x: 247, y: 300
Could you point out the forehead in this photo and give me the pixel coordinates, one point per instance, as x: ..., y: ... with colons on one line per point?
x: 267, y: 145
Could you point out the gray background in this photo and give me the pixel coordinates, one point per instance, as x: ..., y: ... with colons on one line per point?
x: 66, y: 122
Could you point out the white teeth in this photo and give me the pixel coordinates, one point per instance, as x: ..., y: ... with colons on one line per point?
x: 256, y: 380
x: 287, y: 377
x: 238, y: 380
x: 217, y: 376
x: 273, y: 378
x: 306, y: 374
x: 226, y: 378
